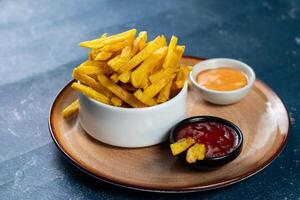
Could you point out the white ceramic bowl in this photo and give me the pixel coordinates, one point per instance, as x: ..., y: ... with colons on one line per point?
x: 223, y: 97
x: 131, y: 127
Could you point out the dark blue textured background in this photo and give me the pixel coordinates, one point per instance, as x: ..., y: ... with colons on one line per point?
x: 38, y: 49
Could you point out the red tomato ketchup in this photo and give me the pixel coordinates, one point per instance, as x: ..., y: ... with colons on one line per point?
x: 218, y: 138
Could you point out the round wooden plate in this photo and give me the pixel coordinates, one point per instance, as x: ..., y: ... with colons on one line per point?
x: 261, y: 116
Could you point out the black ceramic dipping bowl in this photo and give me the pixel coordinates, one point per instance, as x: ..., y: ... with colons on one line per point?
x: 209, y: 162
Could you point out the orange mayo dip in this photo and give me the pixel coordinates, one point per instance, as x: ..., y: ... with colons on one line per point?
x: 222, y: 79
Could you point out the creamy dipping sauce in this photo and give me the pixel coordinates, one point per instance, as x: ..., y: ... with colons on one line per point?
x: 222, y: 79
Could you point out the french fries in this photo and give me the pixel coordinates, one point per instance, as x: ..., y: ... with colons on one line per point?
x: 196, y: 152
x: 119, y: 91
x: 85, y: 79
x: 103, y: 55
x: 149, y: 101
x: 71, y: 109
x: 170, y: 54
x: 142, y: 72
x: 142, y: 55
x: 125, y: 70
x: 182, y: 76
x: 181, y: 145
x: 88, y: 91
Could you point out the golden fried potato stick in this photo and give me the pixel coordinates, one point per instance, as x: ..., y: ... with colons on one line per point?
x: 71, y: 110
x: 117, y: 46
x: 179, y: 50
x: 114, y: 77
x: 116, y: 101
x: 141, y: 73
x: 90, y: 93
x: 155, y: 88
x: 92, y: 67
x: 196, y: 152
x: 171, y: 48
x: 182, y: 76
x: 162, y: 74
x: 142, y: 55
x: 103, y: 55
x: 91, y: 42
x: 92, y: 70
x: 109, y: 40
x: 143, y: 40
x: 164, y: 94
x: 87, y: 80
x: 164, y: 40
x: 125, y: 76
x: 120, y: 92
x: 181, y: 145
x: 142, y: 97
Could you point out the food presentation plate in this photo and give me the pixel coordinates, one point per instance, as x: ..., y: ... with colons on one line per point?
x: 261, y: 115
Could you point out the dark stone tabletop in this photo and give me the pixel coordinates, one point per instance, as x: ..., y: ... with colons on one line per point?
x: 39, y: 47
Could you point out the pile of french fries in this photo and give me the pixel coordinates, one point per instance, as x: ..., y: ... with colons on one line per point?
x: 129, y: 71
x: 195, y: 151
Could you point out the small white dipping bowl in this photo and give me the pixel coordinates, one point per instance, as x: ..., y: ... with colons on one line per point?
x: 131, y: 127
x: 222, y: 97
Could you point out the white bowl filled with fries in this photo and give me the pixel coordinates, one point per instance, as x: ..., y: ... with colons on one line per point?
x: 132, y: 91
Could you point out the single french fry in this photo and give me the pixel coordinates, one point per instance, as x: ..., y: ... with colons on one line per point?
x: 117, y: 46
x: 103, y: 55
x: 114, y: 77
x: 164, y: 40
x: 88, y: 91
x: 125, y: 76
x: 179, y: 50
x: 162, y: 73
x: 125, y: 36
x: 142, y: 97
x: 97, y: 63
x: 116, y: 101
x: 164, y: 94
x: 171, y: 48
x: 85, y: 79
x: 181, y: 145
x: 143, y: 40
x: 142, y: 55
x: 92, y: 70
x: 71, y: 110
x: 87, y: 44
x: 119, y: 92
x: 155, y: 88
x: 196, y: 152
x: 109, y: 40
x: 141, y: 73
